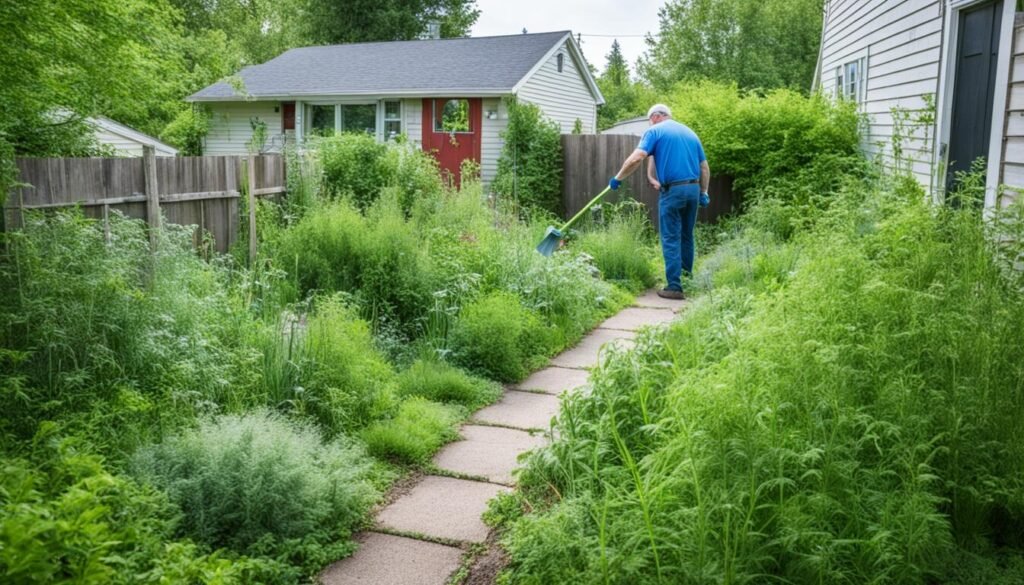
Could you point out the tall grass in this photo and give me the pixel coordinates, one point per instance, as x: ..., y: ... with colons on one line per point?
x: 844, y: 407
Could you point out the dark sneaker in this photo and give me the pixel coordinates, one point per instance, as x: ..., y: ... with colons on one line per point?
x: 668, y: 293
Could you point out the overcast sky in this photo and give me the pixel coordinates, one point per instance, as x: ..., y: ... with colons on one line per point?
x: 627, y: 20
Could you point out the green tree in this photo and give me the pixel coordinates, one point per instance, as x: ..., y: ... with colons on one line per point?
x: 764, y: 44
x: 616, y: 71
x: 624, y: 98
x: 354, y: 21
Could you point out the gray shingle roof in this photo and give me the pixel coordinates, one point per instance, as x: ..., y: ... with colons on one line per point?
x: 482, y: 64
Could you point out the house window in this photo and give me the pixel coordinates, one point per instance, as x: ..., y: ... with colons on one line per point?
x: 560, y: 59
x: 451, y: 116
x: 359, y: 118
x: 850, y: 78
x: 321, y: 120
x: 392, y: 120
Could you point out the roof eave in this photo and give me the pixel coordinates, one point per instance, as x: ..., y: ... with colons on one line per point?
x: 448, y: 92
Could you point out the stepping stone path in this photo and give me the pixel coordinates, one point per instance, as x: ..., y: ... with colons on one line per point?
x: 421, y: 537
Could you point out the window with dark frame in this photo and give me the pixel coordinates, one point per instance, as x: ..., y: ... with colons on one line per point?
x: 560, y: 59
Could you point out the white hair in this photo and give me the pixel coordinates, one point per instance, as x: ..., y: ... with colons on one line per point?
x: 659, y: 109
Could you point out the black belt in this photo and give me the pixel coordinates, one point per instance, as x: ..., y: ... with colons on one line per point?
x: 665, y: 188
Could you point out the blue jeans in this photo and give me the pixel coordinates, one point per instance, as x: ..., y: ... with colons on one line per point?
x: 677, y: 214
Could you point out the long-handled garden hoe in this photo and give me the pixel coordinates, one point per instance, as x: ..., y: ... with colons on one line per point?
x: 549, y: 244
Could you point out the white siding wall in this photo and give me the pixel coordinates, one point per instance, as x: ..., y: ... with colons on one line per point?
x: 491, y: 141
x: 122, y: 146
x: 125, y: 146
x: 230, y: 130
x: 1013, y: 146
x: 564, y: 97
x: 901, y: 41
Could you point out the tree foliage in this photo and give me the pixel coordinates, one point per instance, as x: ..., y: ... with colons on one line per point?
x: 355, y: 21
x: 765, y: 44
x: 624, y: 97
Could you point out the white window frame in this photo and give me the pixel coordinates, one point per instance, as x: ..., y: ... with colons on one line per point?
x: 382, y: 118
x: 857, y: 91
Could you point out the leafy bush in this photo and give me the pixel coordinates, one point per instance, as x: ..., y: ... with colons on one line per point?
x: 377, y: 258
x: 622, y: 249
x: 441, y: 382
x: 259, y: 483
x: 100, y: 336
x: 498, y: 337
x: 418, y: 429
x: 187, y: 131
x: 68, y: 519
x: 841, y: 408
x: 530, y: 165
x: 348, y: 383
x: 757, y: 138
x: 355, y: 165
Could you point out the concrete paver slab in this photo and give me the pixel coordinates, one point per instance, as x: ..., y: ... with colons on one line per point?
x: 633, y: 318
x: 442, y: 507
x: 489, y: 452
x: 384, y: 559
x: 523, y: 410
x: 555, y: 380
x: 652, y: 300
x: 586, y: 352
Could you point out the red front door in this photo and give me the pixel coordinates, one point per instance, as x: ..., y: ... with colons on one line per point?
x: 451, y: 132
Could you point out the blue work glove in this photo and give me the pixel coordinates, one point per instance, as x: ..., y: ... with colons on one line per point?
x: 614, y: 183
x: 705, y: 200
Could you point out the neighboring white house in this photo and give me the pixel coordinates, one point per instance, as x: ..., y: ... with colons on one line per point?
x: 443, y: 94
x: 127, y: 141
x: 939, y: 80
x: 633, y: 126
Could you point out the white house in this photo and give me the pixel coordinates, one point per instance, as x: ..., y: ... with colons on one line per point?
x: 125, y: 140
x: 632, y: 126
x: 940, y: 81
x: 443, y: 94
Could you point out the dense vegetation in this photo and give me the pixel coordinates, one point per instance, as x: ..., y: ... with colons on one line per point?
x: 136, y: 60
x: 843, y: 404
x: 171, y: 419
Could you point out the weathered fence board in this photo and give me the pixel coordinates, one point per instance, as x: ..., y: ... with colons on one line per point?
x: 203, y: 190
x: 591, y: 159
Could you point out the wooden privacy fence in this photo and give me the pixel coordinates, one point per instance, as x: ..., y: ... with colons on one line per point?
x: 197, y: 190
x: 591, y: 159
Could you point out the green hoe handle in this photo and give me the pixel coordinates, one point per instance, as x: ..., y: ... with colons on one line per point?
x: 585, y: 209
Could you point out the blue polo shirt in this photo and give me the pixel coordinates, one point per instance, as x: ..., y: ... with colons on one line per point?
x: 676, y: 150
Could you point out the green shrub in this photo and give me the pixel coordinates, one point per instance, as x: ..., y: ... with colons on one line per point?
x: 377, y: 258
x: 441, y: 382
x: 102, y: 336
x: 622, y: 248
x: 530, y: 165
x: 259, y: 483
x: 66, y: 519
x: 187, y: 131
x: 354, y: 165
x: 418, y: 429
x: 841, y: 408
x: 347, y: 382
x: 499, y: 338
